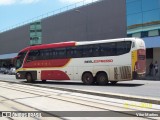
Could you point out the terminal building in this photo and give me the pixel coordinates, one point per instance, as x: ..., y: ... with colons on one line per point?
x: 96, y: 20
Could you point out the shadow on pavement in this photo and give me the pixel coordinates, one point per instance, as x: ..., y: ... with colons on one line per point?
x: 121, y: 84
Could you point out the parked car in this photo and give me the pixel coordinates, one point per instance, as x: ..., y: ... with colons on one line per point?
x: 4, y: 70
x: 1, y: 70
x: 12, y: 71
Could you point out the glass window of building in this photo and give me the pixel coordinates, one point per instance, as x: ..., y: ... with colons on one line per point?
x: 130, y: 1
x: 134, y: 7
x: 153, y: 33
x: 150, y: 4
x: 35, y: 33
x: 134, y: 19
x: 144, y: 34
x: 136, y: 35
x: 143, y: 16
x: 151, y: 16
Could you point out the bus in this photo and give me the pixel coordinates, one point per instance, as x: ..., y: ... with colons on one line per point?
x: 99, y: 62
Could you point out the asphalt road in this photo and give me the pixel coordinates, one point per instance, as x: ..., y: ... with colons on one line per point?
x: 142, y: 88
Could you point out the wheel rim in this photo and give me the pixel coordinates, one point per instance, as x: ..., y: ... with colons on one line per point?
x: 87, y: 79
x: 102, y: 79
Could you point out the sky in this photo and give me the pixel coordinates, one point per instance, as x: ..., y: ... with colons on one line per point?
x: 15, y: 12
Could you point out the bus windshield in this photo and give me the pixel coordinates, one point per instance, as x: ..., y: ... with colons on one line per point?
x: 20, y: 59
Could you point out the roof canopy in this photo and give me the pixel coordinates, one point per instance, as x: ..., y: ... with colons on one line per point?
x: 152, y: 42
x: 8, y: 56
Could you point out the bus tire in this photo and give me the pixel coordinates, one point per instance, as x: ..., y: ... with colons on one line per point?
x: 29, y: 77
x: 87, y: 78
x: 102, y: 78
x: 113, y: 82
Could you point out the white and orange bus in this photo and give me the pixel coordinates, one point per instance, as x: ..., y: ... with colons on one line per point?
x: 92, y: 62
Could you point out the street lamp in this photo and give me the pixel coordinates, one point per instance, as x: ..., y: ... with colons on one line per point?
x: 86, y: 21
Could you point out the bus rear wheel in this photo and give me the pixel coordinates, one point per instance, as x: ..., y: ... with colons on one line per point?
x: 29, y: 78
x: 102, y: 79
x: 87, y: 78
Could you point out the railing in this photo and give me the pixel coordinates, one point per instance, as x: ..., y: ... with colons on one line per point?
x: 52, y: 13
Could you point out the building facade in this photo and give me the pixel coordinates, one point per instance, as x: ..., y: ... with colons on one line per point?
x: 143, y: 20
x: 94, y: 21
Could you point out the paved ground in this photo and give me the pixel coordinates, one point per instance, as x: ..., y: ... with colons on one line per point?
x: 142, y: 88
x: 68, y: 105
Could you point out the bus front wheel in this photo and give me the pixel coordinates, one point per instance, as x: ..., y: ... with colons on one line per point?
x: 29, y: 78
x: 102, y: 79
x: 87, y: 78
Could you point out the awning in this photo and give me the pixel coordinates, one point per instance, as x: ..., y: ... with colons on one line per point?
x: 8, y: 56
x: 152, y: 42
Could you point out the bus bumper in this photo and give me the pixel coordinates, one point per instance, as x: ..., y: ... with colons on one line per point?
x: 20, y: 75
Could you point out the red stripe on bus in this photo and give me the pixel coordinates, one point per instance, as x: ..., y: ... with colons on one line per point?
x: 46, y: 63
x: 54, y: 75
x: 52, y: 45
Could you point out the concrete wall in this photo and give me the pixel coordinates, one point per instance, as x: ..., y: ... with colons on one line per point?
x: 101, y: 20
x: 14, y: 40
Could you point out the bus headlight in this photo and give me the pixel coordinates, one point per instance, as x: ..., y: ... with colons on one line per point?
x: 18, y: 75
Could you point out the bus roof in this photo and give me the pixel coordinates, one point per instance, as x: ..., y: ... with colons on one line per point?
x: 52, y: 45
x: 107, y: 40
x: 73, y: 43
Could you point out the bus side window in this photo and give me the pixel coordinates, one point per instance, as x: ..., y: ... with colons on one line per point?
x: 42, y: 55
x: 54, y: 54
x: 33, y: 55
x: 50, y: 54
x: 78, y: 52
x: 121, y: 48
x: 61, y: 53
x: 87, y: 51
x: 96, y: 50
x: 113, y: 50
x: 102, y: 50
x: 70, y: 51
x: 108, y: 49
x: 46, y: 54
